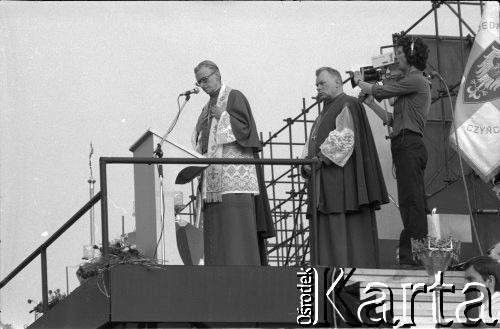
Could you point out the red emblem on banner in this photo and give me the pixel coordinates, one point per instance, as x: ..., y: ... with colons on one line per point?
x: 483, y: 81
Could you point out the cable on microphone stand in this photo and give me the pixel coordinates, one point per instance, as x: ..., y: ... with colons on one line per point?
x: 159, y: 154
x: 460, y: 161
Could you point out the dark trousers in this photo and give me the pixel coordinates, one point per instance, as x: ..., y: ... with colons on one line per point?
x: 410, y: 158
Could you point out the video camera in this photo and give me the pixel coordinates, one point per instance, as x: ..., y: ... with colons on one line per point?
x: 371, y: 75
x: 376, y: 72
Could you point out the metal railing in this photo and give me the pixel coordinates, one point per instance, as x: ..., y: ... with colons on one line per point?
x: 104, y: 161
x: 103, y: 197
x: 42, y: 250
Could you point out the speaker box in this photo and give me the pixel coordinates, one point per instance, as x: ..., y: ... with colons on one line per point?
x: 189, y: 243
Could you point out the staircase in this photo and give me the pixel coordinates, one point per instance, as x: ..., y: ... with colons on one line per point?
x: 423, y: 312
x: 205, y: 296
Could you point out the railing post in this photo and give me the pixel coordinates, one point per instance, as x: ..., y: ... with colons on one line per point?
x: 67, y: 281
x: 104, y: 218
x: 104, y: 208
x: 313, y: 233
x: 45, y: 297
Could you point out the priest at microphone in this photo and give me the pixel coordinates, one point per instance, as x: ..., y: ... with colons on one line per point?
x: 235, y: 209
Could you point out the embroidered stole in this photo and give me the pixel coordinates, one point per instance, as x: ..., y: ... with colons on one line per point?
x: 212, y: 178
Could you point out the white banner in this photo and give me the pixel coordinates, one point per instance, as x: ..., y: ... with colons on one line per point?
x: 477, y: 109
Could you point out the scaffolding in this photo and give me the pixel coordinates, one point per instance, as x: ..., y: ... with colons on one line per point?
x: 286, y: 188
x: 287, y: 191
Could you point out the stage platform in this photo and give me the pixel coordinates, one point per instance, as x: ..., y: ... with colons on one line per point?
x: 198, y: 296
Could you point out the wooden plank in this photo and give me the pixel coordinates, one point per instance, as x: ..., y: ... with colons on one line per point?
x: 398, y: 296
x: 404, y: 278
x: 397, y: 285
x: 397, y: 272
x: 422, y: 306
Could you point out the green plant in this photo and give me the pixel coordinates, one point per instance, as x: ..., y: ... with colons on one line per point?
x: 54, y: 297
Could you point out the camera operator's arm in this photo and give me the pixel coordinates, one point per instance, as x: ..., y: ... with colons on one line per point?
x: 404, y: 86
x: 384, y: 115
x: 365, y: 86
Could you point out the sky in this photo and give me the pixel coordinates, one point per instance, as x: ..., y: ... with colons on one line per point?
x: 72, y: 73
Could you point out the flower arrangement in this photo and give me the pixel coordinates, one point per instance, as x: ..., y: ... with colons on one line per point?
x: 120, y: 252
x: 54, y: 297
x: 436, y: 254
x: 432, y: 246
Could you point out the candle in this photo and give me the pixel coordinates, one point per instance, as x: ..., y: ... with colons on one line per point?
x: 433, y: 227
x: 178, y: 198
x: 178, y: 201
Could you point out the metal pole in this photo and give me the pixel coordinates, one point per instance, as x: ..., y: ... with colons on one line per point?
x: 461, y: 35
x: 279, y: 233
x: 460, y: 17
x: 313, y: 234
x: 292, y: 121
x: 91, y: 182
x: 45, y: 297
x: 67, y: 281
x: 292, y: 192
x: 443, y: 113
x: 104, y: 219
x: 474, y: 197
x: 104, y: 208
x: 302, y: 236
x: 163, y: 243
x: 434, y: 7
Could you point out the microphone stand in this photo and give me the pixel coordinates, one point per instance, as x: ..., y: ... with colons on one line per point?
x: 467, y: 197
x: 158, y: 153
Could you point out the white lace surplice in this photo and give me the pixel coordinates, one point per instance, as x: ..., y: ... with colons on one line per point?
x: 239, y: 178
x: 339, y: 144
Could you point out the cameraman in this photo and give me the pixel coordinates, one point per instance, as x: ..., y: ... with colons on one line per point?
x: 412, y: 104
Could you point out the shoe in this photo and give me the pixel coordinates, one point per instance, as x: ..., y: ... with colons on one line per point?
x: 457, y: 267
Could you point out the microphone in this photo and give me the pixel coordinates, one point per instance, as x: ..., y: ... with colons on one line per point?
x: 189, y: 92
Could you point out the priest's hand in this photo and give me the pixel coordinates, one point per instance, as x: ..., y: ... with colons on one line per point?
x: 215, y: 111
x: 324, y: 161
x: 305, y: 171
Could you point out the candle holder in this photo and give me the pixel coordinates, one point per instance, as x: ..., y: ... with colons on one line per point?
x: 435, y: 254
